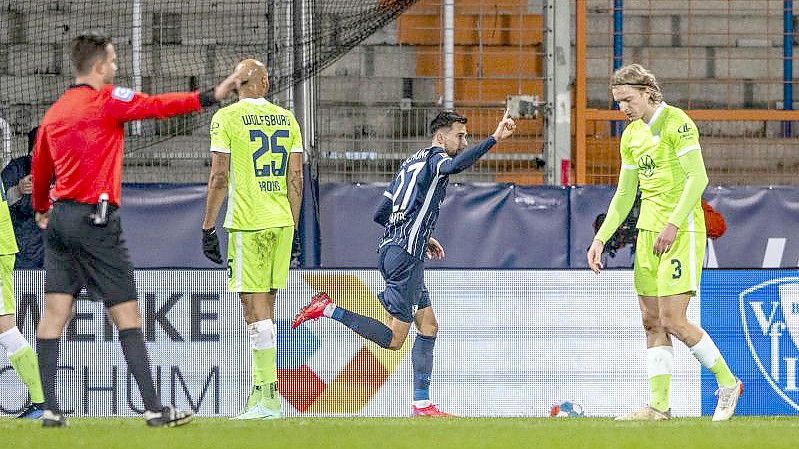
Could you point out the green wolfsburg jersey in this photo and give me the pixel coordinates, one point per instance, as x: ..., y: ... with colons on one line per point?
x: 8, y: 244
x: 259, y: 136
x: 654, y: 150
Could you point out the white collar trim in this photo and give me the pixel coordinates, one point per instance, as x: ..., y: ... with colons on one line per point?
x: 655, y: 116
x: 255, y: 100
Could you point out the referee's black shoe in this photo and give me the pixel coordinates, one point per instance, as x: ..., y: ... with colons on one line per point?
x: 168, y: 416
x: 53, y: 419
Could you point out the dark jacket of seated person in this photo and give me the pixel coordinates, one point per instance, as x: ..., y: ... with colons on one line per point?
x: 16, y: 180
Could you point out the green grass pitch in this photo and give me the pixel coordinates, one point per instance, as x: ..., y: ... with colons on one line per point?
x: 386, y: 433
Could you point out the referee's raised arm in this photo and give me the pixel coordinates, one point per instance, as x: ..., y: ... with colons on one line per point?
x: 81, y: 143
x: 132, y: 105
x: 77, y: 184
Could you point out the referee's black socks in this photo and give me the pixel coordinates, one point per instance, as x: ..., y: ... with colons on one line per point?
x: 132, y: 341
x: 47, y: 350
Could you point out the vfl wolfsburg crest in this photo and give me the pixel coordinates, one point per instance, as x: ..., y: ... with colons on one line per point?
x: 770, y: 318
x: 647, y: 165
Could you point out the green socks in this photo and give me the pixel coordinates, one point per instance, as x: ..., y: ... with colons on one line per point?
x: 724, y: 376
x: 659, y: 387
x: 659, y: 361
x: 264, y: 369
x: 27, y: 367
x: 264, y: 366
x: 709, y: 356
x: 263, y: 342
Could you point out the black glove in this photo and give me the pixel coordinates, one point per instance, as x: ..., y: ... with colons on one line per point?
x: 211, y: 245
x: 207, y: 98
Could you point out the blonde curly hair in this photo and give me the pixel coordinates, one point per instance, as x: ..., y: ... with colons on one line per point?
x: 635, y: 75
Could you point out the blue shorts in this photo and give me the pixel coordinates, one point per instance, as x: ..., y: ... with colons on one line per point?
x: 405, y: 290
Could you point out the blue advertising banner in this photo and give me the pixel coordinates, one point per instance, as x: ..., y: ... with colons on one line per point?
x: 481, y: 226
x: 762, y: 226
x: 586, y: 203
x: 161, y: 225
x: 503, y: 225
x: 348, y: 234
x: 488, y: 226
x: 753, y: 316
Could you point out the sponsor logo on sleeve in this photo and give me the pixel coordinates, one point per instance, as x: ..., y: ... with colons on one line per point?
x: 685, y: 131
x: 122, y: 94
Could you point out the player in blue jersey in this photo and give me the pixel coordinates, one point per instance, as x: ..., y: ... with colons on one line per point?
x: 408, y: 211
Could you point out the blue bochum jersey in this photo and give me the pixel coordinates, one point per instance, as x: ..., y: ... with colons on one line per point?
x: 410, y: 205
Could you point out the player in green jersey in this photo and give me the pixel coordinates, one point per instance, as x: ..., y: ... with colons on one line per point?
x: 256, y: 158
x: 661, y: 156
x: 18, y: 350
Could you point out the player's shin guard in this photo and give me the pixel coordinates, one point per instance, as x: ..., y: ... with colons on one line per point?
x: 709, y: 356
x: 367, y: 327
x: 263, y: 344
x: 659, y: 361
x: 422, y: 360
x: 47, y: 349
x: 23, y: 359
x: 135, y: 352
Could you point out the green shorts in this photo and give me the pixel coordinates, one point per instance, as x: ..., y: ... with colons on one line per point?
x: 7, y: 284
x: 677, y: 271
x: 258, y: 261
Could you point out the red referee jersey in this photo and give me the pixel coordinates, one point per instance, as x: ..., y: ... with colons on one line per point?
x: 81, y: 138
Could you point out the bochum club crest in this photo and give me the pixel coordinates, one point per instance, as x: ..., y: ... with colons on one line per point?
x: 770, y: 318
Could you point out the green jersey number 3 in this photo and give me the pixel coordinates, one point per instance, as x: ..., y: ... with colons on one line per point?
x: 269, y: 143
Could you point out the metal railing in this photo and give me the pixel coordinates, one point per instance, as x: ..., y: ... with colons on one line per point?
x: 738, y: 147
x: 728, y: 63
x: 366, y: 144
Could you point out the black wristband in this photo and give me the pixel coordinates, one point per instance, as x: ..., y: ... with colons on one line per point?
x: 207, y: 98
x: 209, y: 231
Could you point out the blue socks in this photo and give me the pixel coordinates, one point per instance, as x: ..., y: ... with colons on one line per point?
x: 422, y: 359
x: 367, y: 327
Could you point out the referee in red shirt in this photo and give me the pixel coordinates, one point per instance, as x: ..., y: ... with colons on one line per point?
x: 79, y: 148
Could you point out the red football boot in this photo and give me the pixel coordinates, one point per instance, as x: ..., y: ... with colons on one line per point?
x: 313, y: 311
x: 429, y: 411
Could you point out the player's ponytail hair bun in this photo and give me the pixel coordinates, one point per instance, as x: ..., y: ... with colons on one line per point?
x: 637, y: 76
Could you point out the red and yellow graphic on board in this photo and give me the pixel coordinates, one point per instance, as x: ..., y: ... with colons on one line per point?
x: 359, y: 379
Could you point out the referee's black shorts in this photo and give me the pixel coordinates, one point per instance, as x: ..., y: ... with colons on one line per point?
x: 79, y: 254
